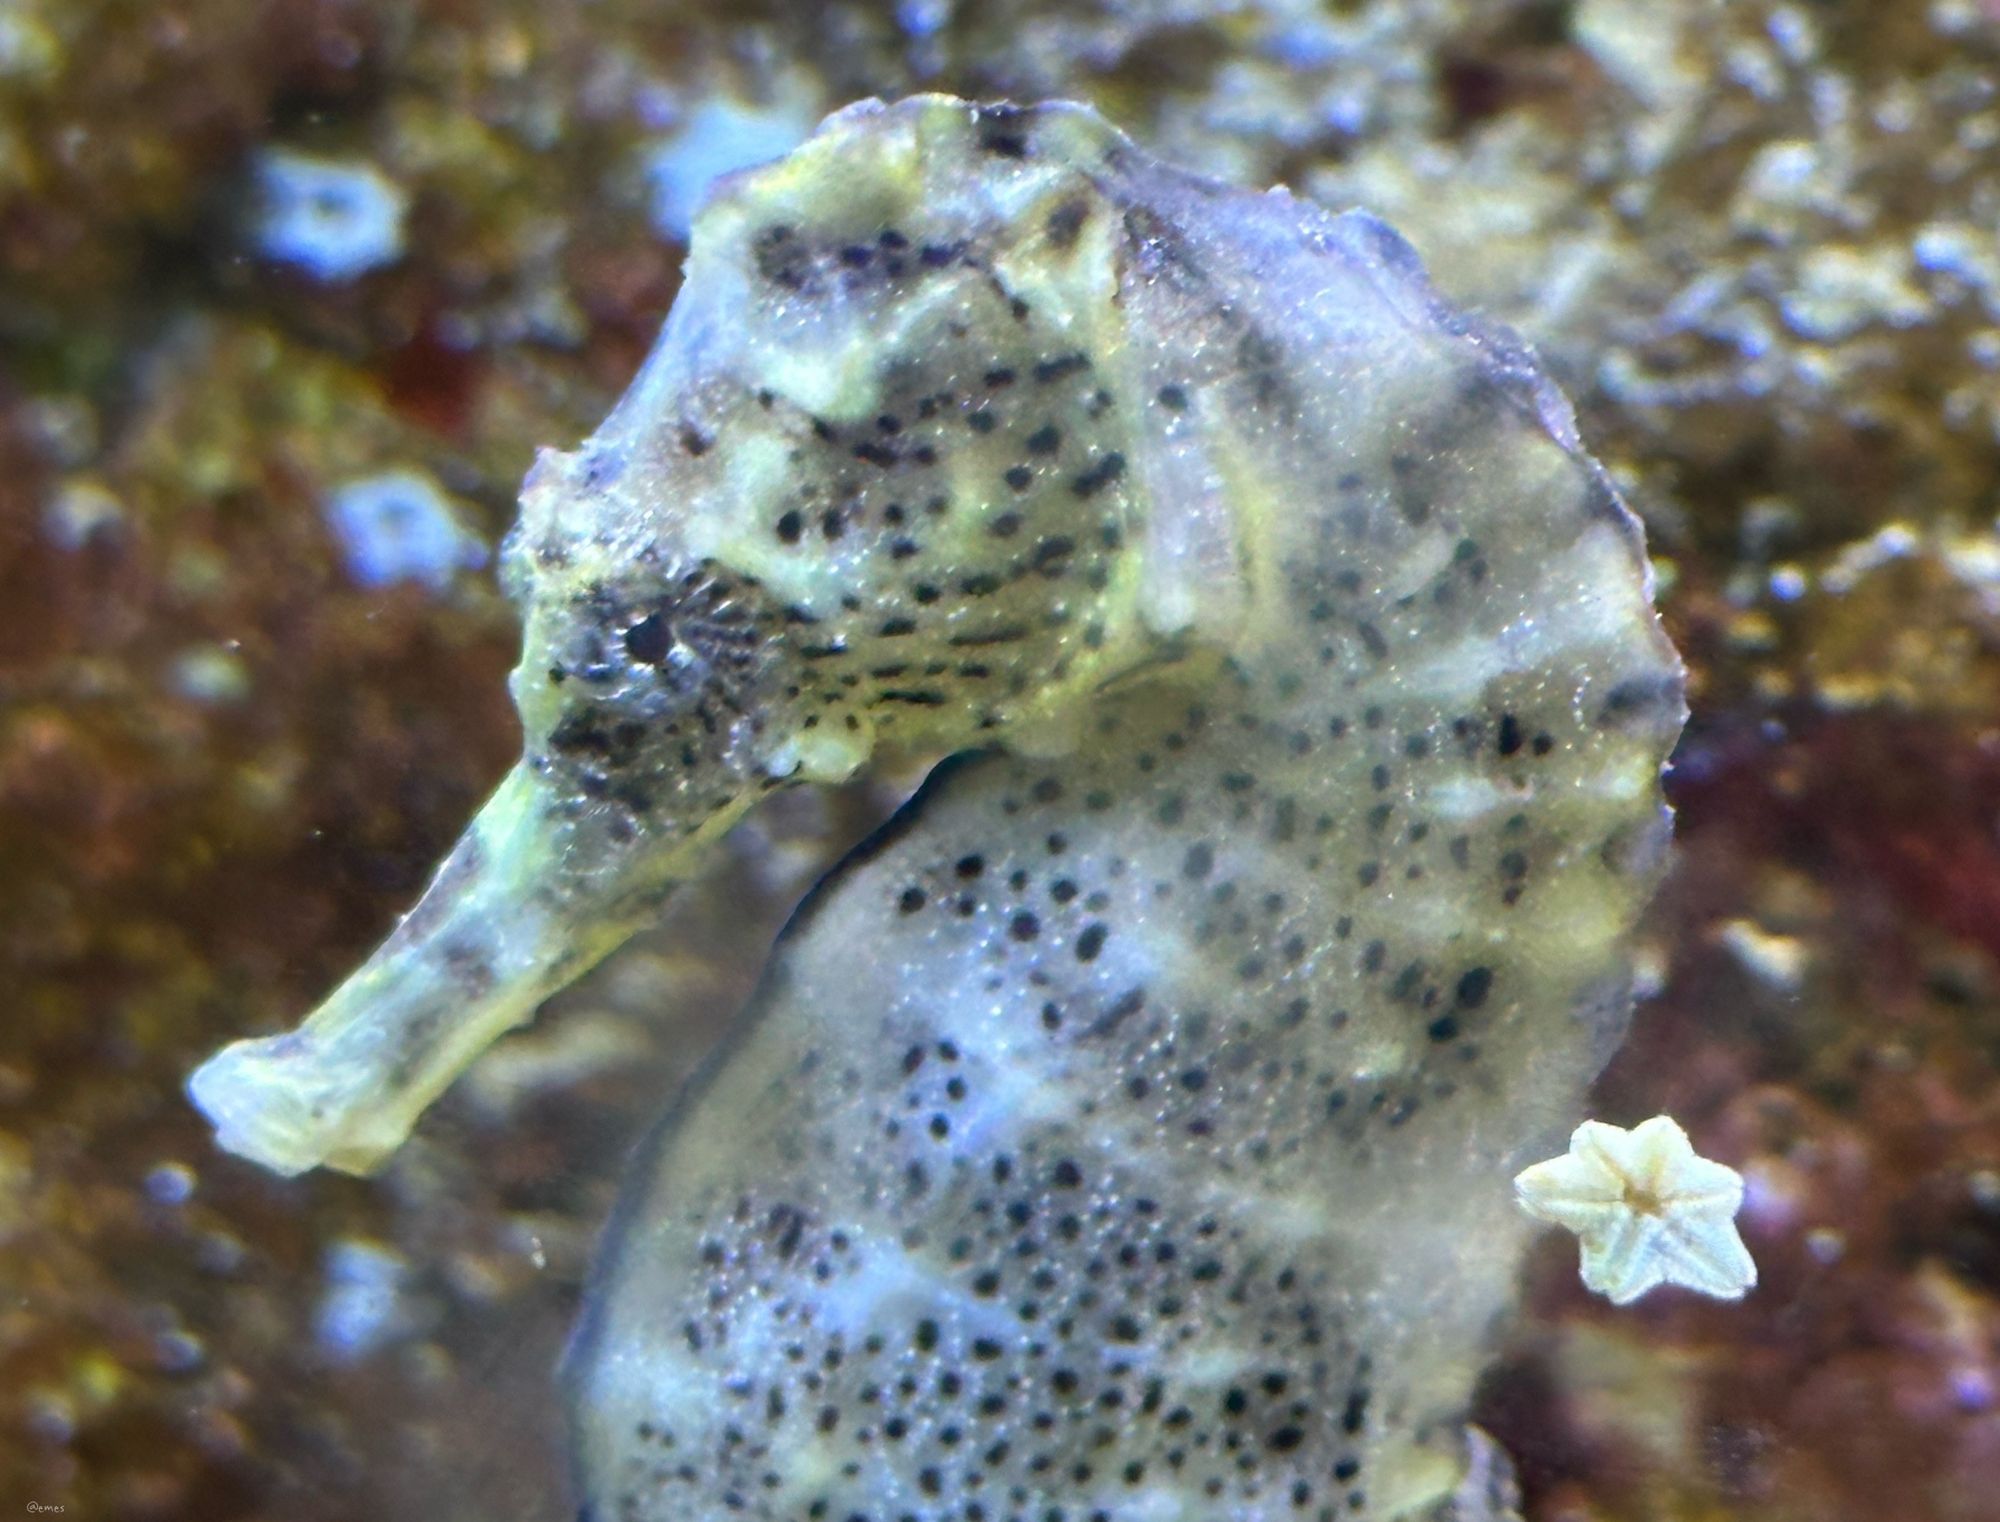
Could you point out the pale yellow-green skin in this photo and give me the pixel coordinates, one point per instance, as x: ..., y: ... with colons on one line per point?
x: 1128, y: 1132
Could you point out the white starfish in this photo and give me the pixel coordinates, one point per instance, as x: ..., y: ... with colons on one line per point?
x: 1646, y: 1208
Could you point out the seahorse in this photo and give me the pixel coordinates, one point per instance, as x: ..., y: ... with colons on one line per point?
x: 1125, y: 1131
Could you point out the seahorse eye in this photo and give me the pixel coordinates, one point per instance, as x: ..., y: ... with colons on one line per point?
x: 650, y: 640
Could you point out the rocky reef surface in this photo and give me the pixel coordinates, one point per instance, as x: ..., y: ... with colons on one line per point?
x: 289, y: 292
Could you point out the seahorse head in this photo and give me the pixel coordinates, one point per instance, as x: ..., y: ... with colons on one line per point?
x: 876, y: 486
x: 879, y: 488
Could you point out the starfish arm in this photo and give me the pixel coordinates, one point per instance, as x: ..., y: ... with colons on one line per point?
x: 1583, y: 1217
x: 1608, y: 1149
x: 1660, y: 1154
x: 1706, y: 1253
x: 1700, y: 1184
x: 1564, y: 1183
x: 1624, y: 1263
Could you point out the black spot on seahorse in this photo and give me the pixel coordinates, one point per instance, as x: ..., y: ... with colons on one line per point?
x: 1065, y: 223
x: 1638, y: 699
x: 1162, y: 251
x: 1261, y: 361
x: 783, y: 259
x: 1002, y: 130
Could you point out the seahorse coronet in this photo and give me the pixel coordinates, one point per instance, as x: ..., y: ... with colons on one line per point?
x: 1125, y: 1133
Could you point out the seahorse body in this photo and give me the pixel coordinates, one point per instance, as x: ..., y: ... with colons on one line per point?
x: 1126, y: 1134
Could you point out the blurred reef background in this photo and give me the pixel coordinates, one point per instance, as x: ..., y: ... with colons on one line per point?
x: 290, y: 290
